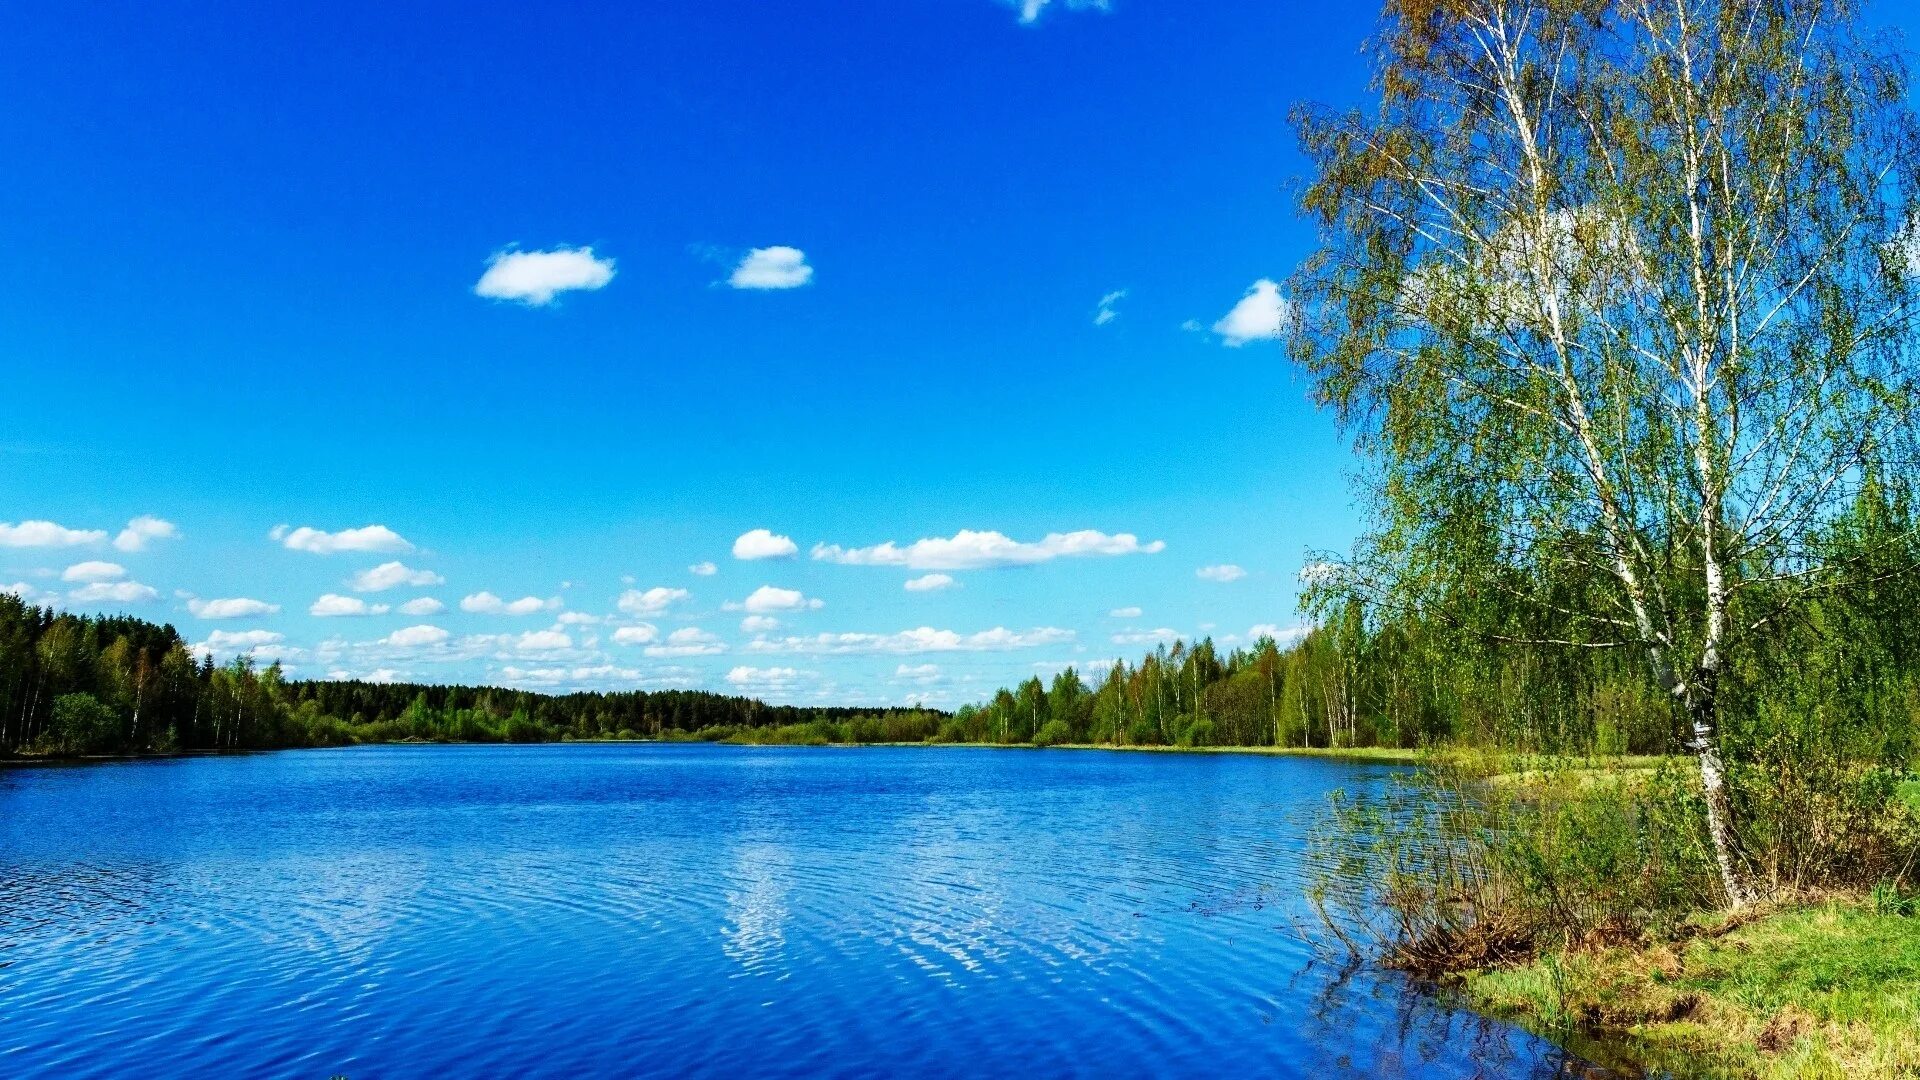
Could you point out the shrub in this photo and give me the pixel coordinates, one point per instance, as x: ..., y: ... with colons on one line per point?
x: 82, y: 724
x: 1053, y: 733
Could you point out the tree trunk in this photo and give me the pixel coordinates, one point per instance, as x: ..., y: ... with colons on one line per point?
x: 1705, y: 744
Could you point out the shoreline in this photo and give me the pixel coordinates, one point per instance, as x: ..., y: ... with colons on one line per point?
x: 1818, y: 989
x: 1362, y: 754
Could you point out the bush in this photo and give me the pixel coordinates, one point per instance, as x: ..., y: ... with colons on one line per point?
x: 82, y: 724
x: 1053, y: 733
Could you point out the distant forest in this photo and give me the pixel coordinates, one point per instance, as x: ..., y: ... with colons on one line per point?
x: 78, y: 685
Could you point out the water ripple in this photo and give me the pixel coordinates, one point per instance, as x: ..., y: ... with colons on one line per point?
x: 652, y: 910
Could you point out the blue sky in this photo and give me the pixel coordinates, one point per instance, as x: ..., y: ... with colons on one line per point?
x: 559, y: 304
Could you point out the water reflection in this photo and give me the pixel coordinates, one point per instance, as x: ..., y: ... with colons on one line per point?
x: 572, y: 911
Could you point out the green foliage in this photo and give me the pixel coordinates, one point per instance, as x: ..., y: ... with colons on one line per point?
x: 82, y: 724
x: 1053, y: 733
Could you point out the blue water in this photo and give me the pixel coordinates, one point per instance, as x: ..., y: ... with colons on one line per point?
x: 585, y: 910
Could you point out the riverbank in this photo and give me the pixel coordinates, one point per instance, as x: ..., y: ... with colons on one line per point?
x: 1824, y: 990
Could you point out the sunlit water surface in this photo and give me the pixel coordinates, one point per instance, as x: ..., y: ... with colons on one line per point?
x: 585, y: 910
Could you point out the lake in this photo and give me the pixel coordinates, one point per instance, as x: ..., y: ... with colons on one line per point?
x: 633, y: 909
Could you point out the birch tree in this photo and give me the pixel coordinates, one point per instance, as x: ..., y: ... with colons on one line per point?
x: 1616, y: 297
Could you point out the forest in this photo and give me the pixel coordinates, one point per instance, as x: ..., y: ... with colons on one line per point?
x: 75, y: 685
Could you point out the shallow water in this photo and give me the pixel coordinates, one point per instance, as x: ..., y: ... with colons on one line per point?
x: 647, y: 909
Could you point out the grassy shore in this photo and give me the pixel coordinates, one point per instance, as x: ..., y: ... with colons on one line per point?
x: 1831, y: 990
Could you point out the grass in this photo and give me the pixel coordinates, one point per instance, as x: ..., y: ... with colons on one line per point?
x: 1831, y: 990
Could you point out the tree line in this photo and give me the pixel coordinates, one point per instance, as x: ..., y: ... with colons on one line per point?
x: 74, y: 684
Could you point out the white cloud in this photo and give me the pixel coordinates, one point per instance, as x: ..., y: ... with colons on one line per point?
x: 1223, y: 573
x: 931, y: 583
x: 921, y: 640
x: 688, y: 641
x: 653, y: 601
x: 240, y: 640
x: 365, y: 538
x: 703, y: 569
x: 113, y: 592
x: 767, y: 599
x: 392, y: 575
x: 777, y: 267
x: 1030, y: 9
x: 972, y: 550
x: 1106, y: 312
x: 485, y: 603
x: 641, y: 634
x: 1281, y: 635
x: 333, y: 605
x: 94, y: 570
x: 577, y: 618
x: 1261, y: 315
x: 543, y: 641
x: 534, y: 278
x: 767, y: 679
x: 27, y: 592
x: 238, y: 607
x: 46, y: 534
x: 377, y: 675
x: 416, y: 635
x: 918, y: 673
x: 143, y: 530
x: 759, y: 624
x: 1145, y: 637
x: 422, y: 605
x: 1124, y: 613
x: 763, y: 544
x: 585, y: 676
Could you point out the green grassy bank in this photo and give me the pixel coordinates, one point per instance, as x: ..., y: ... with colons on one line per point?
x: 1829, y: 990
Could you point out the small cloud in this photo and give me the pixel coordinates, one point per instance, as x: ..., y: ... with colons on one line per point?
x: 365, y: 538
x: 238, y: 607
x: 392, y: 575
x: 652, y: 601
x: 920, y: 640
x: 768, y: 598
x: 971, y: 549
x: 1106, y: 312
x: 1030, y: 9
x: 46, y: 534
x: 94, y: 570
x: 577, y: 618
x: 422, y: 605
x: 703, y: 569
x: 1124, y: 613
x: 1261, y: 315
x: 542, y: 641
x: 535, y: 278
x: 142, y: 531
x: 776, y: 267
x: 642, y: 634
x: 240, y: 640
x: 638, y: 635
x: 1281, y: 635
x: 485, y: 603
x: 759, y: 624
x: 764, y: 544
x: 333, y: 606
x: 27, y: 593
x: 416, y: 635
x: 931, y: 583
x: 923, y: 674
x: 1145, y: 637
x: 688, y: 641
x: 113, y: 592
x: 1222, y: 573
x: 767, y: 678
